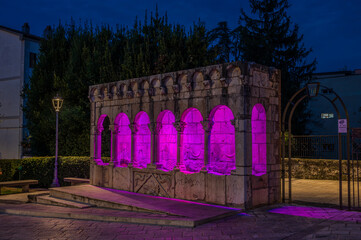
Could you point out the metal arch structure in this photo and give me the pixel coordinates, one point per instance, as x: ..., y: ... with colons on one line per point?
x: 295, y: 100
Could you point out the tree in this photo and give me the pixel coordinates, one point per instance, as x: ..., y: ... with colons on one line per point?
x: 73, y: 57
x: 271, y: 39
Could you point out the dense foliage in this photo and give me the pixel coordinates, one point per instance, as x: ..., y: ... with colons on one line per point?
x: 74, y: 56
x: 271, y: 39
x: 42, y: 169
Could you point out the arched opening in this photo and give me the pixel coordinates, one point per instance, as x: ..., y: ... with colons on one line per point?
x: 192, y: 141
x: 142, y: 140
x: 123, y: 141
x: 222, y: 157
x: 102, y: 140
x: 259, y: 140
x: 167, y: 141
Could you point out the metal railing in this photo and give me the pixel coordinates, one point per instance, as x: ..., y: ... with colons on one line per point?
x: 317, y: 146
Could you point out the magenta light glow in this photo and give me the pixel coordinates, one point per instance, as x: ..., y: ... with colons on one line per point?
x: 319, y: 213
x: 98, y: 140
x: 192, y: 141
x: 167, y: 141
x: 259, y: 140
x: 142, y: 140
x: 123, y: 141
x: 222, y: 158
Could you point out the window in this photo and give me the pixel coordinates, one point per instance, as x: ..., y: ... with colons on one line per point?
x: 32, y: 60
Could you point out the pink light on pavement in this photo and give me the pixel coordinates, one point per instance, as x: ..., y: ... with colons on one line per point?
x: 167, y: 141
x: 259, y: 140
x: 123, y: 141
x: 192, y: 141
x: 142, y: 140
x: 222, y: 158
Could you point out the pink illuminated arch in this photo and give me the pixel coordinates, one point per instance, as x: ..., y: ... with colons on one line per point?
x: 192, y: 141
x: 123, y: 141
x: 142, y: 140
x: 167, y: 141
x: 98, y: 139
x: 259, y: 140
x: 222, y: 154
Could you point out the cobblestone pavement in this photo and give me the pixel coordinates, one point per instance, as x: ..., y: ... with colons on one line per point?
x: 277, y: 222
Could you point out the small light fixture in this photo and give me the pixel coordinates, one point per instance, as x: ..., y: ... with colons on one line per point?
x: 57, y: 102
x: 312, y: 89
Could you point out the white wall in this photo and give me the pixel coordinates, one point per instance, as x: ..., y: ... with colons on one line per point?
x: 11, y: 75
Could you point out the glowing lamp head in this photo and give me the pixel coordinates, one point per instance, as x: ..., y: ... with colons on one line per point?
x: 57, y: 102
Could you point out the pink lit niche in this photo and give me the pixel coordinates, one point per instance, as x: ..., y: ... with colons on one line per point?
x: 98, y: 139
x: 123, y: 141
x: 192, y: 141
x: 222, y: 158
x: 167, y: 141
x: 259, y: 140
x: 142, y: 140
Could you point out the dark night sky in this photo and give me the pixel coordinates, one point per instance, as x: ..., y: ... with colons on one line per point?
x: 332, y: 28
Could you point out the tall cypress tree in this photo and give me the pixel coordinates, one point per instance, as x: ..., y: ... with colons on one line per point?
x: 270, y: 38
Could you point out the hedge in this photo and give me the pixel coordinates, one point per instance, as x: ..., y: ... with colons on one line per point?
x: 42, y: 169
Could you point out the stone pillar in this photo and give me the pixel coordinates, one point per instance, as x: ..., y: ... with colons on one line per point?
x: 113, y: 144
x: 207, y: 126
x: 133, y: 128
x: 179, y: 126
x: 153, y: 143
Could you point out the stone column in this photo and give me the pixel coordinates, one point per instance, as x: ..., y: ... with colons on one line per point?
x: 113, y: 144
x: 179, y: 126
x: 153, y: 144
x: 207, y: 127
x: 133, y: 128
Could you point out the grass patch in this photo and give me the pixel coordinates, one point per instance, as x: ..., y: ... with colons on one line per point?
x: 8, y: 190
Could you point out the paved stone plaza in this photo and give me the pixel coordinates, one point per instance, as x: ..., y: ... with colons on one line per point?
x: 272, y: 222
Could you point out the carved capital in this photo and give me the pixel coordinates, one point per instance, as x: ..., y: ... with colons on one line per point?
x: 207, y: 83
x: 207, y: 125
x: 140, y: 92
x: 225, y: 81
x: 176, y: 88
x: 163, y: 90
x: 130, y: 94
x: 189, y: 86
x: 151, y: 91
x: 180, y: 126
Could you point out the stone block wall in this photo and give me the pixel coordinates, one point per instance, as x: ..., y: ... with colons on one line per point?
x: 235, y: 89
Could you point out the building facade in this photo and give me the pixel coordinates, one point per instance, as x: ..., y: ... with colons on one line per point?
x: 18, y: 53
x: 209, y: 134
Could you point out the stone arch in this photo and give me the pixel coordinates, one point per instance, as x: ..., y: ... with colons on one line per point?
x: 102, y: 140
x: 192, y: 141
x: 259, y: 140
x: 123, y: 141
x: 167, y: 141
x: 222, y: 152
x: 93, y: 94
x: 142, y: 140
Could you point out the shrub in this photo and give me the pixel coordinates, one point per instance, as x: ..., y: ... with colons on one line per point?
x: 42, y: 169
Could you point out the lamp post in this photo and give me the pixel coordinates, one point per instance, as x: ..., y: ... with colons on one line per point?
x: 57, y: 104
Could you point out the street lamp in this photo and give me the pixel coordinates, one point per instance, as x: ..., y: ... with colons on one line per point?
x: 57, y: 104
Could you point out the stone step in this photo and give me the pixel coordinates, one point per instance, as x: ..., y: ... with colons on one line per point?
x: 106, y: 202
x: 129, y: 201
x: 46, y: 199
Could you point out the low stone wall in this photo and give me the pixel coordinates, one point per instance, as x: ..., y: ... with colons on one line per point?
x: 327, y: 169
x: 226, y: 190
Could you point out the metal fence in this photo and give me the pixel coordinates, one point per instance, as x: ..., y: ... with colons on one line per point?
x: 317, y: 146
